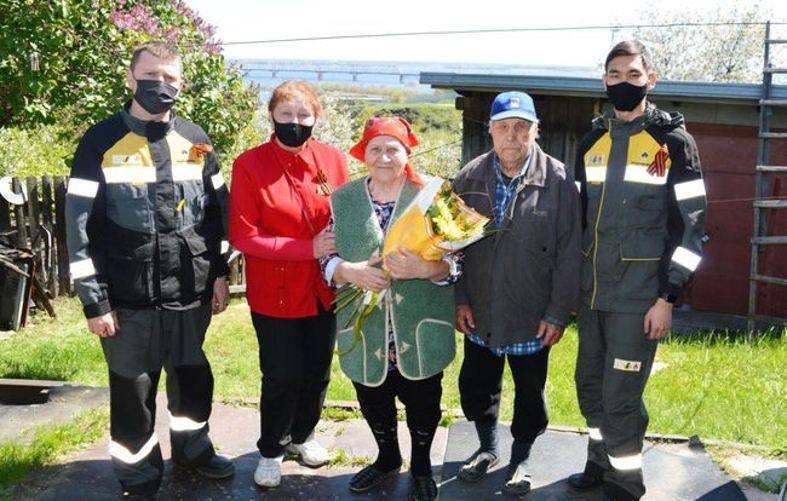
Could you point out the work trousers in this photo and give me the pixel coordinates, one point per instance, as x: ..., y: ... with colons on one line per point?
x: 613, y: 364
x: 481, y: 386
x: 146, y: 341
x: 295, y: 362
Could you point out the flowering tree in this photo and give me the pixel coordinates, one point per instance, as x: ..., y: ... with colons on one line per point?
x: 721, y: 44
x: 64, y: 61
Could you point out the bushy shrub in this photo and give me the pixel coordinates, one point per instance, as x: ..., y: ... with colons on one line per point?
x: 34, y: 152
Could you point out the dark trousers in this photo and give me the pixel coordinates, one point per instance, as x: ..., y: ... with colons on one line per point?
x: 421, y: 399
x: 147, y: 341
x: 481, y: 385
x: 613, y: 365
x: 295, y: 362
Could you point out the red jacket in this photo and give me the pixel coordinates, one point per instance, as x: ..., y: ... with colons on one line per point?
x: 276, y: 208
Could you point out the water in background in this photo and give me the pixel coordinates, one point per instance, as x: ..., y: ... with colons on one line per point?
x: 271, y: 72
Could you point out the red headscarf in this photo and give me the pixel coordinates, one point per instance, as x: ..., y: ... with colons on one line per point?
x: 396, y: 127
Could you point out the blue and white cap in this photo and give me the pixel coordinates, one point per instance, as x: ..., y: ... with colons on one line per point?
x: 513, y: 105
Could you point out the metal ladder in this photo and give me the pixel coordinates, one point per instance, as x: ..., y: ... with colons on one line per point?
x: 762, y: 202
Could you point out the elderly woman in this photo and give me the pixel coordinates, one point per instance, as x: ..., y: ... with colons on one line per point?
x: 406, y: 341
x: 279, y: 207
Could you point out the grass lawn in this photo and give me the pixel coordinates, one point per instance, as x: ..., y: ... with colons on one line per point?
x: 720, y: 387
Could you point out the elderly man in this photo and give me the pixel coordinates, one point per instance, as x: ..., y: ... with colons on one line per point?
x: 145, y: 214
x: 519, y: 285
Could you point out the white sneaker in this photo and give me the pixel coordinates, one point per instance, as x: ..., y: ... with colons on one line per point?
x: 268, y: 473
x: 311, y: 452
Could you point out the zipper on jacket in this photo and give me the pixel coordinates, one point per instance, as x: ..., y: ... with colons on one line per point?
x: 595, y: 247
x: 595, y: 232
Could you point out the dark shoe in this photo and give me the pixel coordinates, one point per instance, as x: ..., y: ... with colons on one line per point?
x: 218, y: 467
x: 518, y: 481
x: 476, y: 466
x: 127, y: 496
x: 369, y: 478
x: 584, y: 481
x: 424, y: 488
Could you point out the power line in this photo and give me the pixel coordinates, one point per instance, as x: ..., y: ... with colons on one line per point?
x: 493, y: 31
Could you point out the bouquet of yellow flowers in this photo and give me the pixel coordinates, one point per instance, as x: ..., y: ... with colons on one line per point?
x: 436, y: 223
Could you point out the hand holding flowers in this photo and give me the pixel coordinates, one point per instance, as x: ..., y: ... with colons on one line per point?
x: 435, y: 224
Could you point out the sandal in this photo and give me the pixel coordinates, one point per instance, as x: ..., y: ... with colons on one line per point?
x: 477, y: 465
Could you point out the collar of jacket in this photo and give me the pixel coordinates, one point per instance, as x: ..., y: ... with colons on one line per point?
x: 536, y: 174
x: 147, y: 128
x: 652, y: 116
x: 287, y: 158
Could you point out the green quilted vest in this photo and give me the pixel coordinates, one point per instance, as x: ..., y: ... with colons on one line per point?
x: 421, y: 313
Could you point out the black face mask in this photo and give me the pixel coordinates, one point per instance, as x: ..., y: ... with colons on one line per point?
x: 155, y: 96
x: 625, y: 96
x: 292, y: 135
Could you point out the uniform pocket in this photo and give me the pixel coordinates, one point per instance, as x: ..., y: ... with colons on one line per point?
x: 129, y: 272
x: 129, y: 206
x: 195, y: 262
x: 640, y: 256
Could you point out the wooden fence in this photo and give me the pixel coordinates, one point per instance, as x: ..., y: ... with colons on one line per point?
x: 38, y: 225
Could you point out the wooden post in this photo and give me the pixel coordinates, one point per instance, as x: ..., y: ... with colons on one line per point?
x: 19, y: 217
x: 64, y: 276
x: 5, y: 216
x: 46, y: 221
x: 33, y: 212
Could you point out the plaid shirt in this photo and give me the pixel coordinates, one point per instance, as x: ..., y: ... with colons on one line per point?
x: 504, y: 193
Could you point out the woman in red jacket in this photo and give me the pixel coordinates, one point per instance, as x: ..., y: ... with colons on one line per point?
x: 279, y: 207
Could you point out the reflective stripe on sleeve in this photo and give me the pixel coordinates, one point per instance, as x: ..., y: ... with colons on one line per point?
x: 596, y: 174
x: 639, y: 174
x: 579, y: 186
x: 690, y: 189
x: 686, y: 258
x: 116, y: 175
x: 225, y: 246
x: 82, y: 187
x: 184, y: 424
x: 217, y: 180
x: 626, y: 463
x: 186, y: 172
x: 82, y: 269
x: 595, y: 434
x: 120, y: 453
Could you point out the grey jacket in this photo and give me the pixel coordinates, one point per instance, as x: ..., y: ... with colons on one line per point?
x: 529, y: 268
x: 643, y: 224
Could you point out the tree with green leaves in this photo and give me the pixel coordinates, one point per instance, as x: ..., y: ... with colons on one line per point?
x: 64, y: 61
x: 724, y: 44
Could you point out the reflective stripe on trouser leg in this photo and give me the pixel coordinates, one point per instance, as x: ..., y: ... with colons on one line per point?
x: 597, y: 461
x: 628, y: 363
x: 189, y: 413
x: 134, y: 448
x: 589, y: 378
x: 189, y: 385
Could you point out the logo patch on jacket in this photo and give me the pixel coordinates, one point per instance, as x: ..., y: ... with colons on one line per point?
x: 134, y: 159
x: 627, y: 365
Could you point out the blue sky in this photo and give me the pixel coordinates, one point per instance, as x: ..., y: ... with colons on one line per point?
x: 264, y: 20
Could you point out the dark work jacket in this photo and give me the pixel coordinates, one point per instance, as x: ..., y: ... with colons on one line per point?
x: 643, y: 225
x: 529, y: 268
x: 145, y: 216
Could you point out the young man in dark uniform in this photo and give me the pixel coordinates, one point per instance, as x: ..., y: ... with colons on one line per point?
x: 644, y: 217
